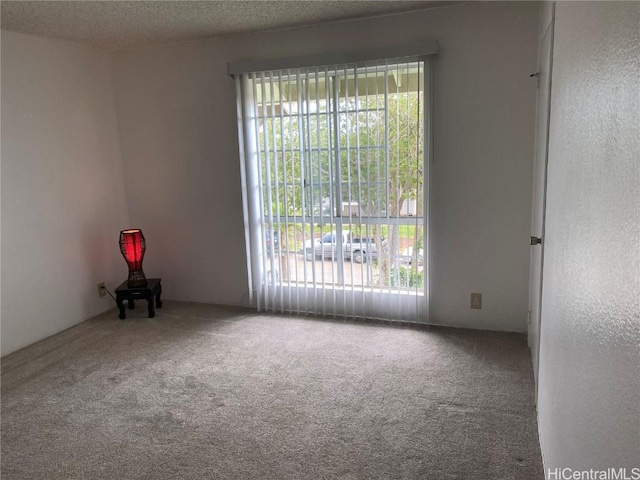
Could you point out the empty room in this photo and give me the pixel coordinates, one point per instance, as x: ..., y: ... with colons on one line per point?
x: 320, y: 240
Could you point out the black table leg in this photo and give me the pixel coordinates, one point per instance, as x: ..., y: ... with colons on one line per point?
x: 131, y: 303
x: 158, y: 300
x: 120, y: 304
x: 152, y: 312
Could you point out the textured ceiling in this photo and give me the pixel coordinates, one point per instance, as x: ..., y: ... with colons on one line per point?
x: 115, y: 25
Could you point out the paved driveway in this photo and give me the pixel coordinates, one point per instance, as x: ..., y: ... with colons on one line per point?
x: 295, y: 268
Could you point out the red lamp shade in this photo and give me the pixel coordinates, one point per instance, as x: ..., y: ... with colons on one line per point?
x: 132, y: 246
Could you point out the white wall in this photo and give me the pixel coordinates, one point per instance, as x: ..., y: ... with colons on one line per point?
x: 177, y: 122
x: 63, y: 201
x: 589, y: 386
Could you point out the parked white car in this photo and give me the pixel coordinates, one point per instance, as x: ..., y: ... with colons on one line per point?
x: 406, y: 256
x: 356, y: 249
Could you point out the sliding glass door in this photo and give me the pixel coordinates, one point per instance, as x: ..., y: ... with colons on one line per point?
x: 336, y: 187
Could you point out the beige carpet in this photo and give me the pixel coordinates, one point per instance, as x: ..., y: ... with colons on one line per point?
x: 203, y: 392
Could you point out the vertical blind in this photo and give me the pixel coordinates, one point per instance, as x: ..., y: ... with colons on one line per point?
x: 334, y: 164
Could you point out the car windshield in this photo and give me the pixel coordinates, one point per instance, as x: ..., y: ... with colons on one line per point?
x: 328, y: 238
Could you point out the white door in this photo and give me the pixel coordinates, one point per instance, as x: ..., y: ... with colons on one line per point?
x: 539, y: 195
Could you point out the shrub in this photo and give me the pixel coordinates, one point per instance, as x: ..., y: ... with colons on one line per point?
x: 406, y: 277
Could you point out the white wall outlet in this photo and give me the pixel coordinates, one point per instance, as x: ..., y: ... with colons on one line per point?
x: 102, y: 291
x: 476, y: 301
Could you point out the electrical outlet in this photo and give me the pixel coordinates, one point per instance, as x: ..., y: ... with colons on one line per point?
x: 476, y: 301
x: 102, y: 290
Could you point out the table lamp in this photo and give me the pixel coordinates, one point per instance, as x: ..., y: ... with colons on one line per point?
x: 132, y: 246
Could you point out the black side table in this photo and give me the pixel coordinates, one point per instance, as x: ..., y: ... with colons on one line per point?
x: 153, y: 289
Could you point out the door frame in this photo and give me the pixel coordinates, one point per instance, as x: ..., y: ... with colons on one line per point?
x: 534, y: 342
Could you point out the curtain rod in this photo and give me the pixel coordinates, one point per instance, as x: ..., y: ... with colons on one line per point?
x: 416, y: 49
